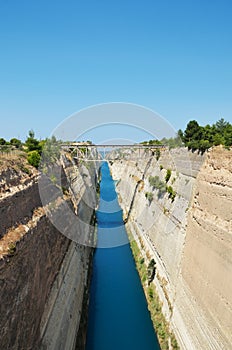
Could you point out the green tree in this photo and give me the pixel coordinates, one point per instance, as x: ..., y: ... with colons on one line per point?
x: 204, y: 145
x: 32, y: 143
x: 228, y: 135
x: 207, y: 133
x: 221, y: 125
x: 51, y: 150
x: 218, y: 139
x: 180, y: 134
x: 192, y: 131
x: 15, y: 142
x: 2, y: 141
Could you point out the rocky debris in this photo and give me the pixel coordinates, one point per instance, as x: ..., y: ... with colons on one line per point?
x: 15, y: 173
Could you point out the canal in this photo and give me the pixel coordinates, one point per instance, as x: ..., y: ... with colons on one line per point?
x: 118, y: 314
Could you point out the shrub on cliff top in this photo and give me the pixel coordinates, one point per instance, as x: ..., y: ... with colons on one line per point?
x: 16, y: 143
x: 2, y: 141
x: 33, y: 158
x: 32, y: 144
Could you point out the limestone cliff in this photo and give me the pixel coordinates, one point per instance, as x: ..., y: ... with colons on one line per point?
x: 189, y: 236
x: 44, y: 275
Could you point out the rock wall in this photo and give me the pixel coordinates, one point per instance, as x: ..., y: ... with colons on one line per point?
x: 18, y: 206
x: 18, y: 192
x: 206, y: 267
x: 44, y: 275
x: 26, y: 281
x: 189, y: 238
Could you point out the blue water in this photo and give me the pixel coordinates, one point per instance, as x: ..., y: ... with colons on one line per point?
x: 118, y: 314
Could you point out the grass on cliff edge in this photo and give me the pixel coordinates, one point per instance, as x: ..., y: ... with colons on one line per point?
x: 17, y: 161
x: 161, y: 326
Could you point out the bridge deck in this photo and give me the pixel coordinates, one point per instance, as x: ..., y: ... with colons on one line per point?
x: 137, y: 146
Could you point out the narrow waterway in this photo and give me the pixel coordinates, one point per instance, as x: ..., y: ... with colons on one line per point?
x: 118, y: 314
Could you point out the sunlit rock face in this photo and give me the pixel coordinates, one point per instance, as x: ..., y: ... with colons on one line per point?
x: 189, y: 238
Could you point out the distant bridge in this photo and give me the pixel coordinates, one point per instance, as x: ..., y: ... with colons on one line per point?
x: 94, y: 152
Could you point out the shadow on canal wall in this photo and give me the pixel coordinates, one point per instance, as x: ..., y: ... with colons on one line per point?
x: 44, y: 276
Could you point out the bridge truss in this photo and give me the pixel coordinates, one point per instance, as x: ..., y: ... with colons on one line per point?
x: 93, y: 152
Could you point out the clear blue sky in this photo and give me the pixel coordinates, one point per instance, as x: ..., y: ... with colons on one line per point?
x: 60, y: 56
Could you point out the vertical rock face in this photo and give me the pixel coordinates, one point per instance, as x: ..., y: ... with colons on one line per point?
x: 188, y: 236
x: 43, y: 274
x: 207, y: 256
x: 26, y: 281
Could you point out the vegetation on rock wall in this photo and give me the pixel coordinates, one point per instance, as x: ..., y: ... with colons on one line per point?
x: 161, y: 326
x: 171, y: 193
x: 149, y: 197
x: 168, y: 175
x: 161, y: 186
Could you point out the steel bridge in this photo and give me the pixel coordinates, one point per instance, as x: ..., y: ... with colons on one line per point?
x: 94, y: 152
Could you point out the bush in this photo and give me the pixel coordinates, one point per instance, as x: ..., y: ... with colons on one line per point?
x: 171, y: 193
x: 32, y: 143
x: 162, y: 190
x: 158, y: 184
x: 168, y: 175
x: 15, y: 142
x: 157, y: 154
x: 154, y: 181
x: 151, y: 269
x: 161, y: 167
x: 33, y: 158
x: 150, y: 293
x: 11, y: 248
x: 53, y: 178
x: 2, y: 141
x: 149, y: 197
x: 151, y: 264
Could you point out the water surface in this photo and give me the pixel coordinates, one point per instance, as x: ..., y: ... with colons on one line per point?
x: 118, y: 314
